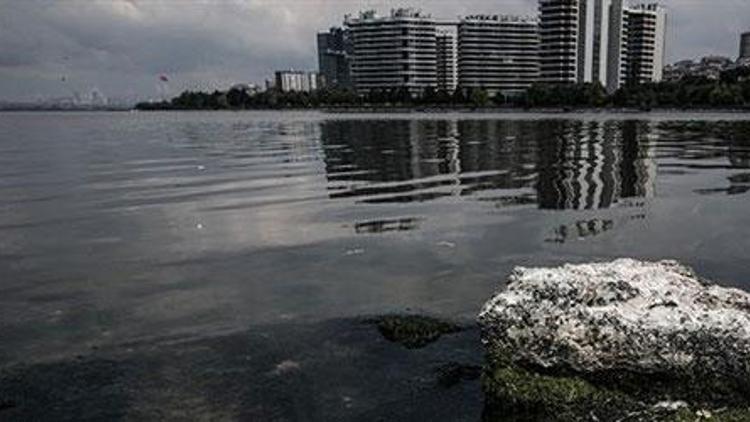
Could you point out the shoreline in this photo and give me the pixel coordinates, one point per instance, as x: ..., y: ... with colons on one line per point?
x: 543, y: 110
x: 415, y: 110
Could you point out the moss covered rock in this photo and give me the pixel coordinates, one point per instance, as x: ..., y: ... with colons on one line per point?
x: 533, y: 396
x: 517, y: 394
x: 413, y: 331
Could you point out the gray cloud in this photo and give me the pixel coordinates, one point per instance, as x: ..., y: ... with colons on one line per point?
x: 53, y: 48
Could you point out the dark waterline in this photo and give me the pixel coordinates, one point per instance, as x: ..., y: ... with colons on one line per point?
x: 123, y: 228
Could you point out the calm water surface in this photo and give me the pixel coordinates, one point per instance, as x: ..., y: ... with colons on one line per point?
x: 139, y: 227
x: 147, y: 224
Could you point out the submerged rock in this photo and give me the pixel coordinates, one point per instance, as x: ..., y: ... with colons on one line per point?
x: 628, y: 334
x: 413, y: 331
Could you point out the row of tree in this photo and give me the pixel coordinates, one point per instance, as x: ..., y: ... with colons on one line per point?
x: 237, y: 99
x: 732, y: 90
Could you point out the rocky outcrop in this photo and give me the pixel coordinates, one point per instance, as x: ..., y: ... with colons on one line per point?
x: 627, y: 332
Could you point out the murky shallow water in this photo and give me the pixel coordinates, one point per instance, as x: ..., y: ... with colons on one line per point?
x: 148, y: 227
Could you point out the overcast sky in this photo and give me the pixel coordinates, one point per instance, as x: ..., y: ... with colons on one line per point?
x: 119, y: 47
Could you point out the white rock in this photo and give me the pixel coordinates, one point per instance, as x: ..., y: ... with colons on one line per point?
x: 624, y: 315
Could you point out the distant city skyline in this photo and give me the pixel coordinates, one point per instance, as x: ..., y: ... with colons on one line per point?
x: 119, y: 48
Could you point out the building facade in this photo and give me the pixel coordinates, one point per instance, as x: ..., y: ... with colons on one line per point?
x: 393, y: 52
x: 558, y: 32
x: 646, y: 37
x: 334, y: 50
x: 604, y: 41
x: 618, y: 46
x: 499, y: 54
x: 447, y: 60
x: 596, y: 44
x: 575, y: 40
x: 745, y: 45
x: 296, y: 80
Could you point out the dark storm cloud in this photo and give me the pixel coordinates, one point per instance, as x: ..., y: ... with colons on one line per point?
x: 52, y: 48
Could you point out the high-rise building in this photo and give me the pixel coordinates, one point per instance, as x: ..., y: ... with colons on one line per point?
x: 745, y: 45
x: 334, y: 49
x: 601, y: 41
x: 637, y: 45
x: 447, y: 60
x: 645, y: 40
x: 499, y: 54
x: 596, y: 45
x: 395, y: 51
x: 558, y: 32
x: 296, y: 80
x: 574, y: 40
x: 618, y: 46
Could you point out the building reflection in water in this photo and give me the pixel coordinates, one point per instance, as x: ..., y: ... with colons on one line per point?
x: 739, y: 158
x: 386, y: 225
x: 594, y: 165
x: 557, y: 164
x: 722, y: 146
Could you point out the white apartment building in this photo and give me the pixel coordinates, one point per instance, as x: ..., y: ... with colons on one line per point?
x: 447, y: 60
x: 574, y: 40
x: 646, y: 40
x: 601, y: 41
x: 558, y: 33
x: 638, y: 44
x: 296, y: 80
x: 499, y: 54
x: 395, y: 51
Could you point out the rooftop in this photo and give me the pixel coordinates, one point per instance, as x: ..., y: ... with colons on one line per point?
x: 400, y: 13
x: 499, y: 18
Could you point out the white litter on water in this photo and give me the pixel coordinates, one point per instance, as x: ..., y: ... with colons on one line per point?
x: 286, y: 366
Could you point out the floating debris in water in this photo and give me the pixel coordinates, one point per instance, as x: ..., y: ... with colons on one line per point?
x: 447, y: 244
x: 286, y: 366
x: 351, y: 252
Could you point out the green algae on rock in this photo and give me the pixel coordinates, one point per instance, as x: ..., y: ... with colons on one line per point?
x: 518, y: 394
x: 413, y: 331
x: 533, y: 396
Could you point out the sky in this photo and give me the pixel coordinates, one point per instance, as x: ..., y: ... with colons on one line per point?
x: 53, y: 48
